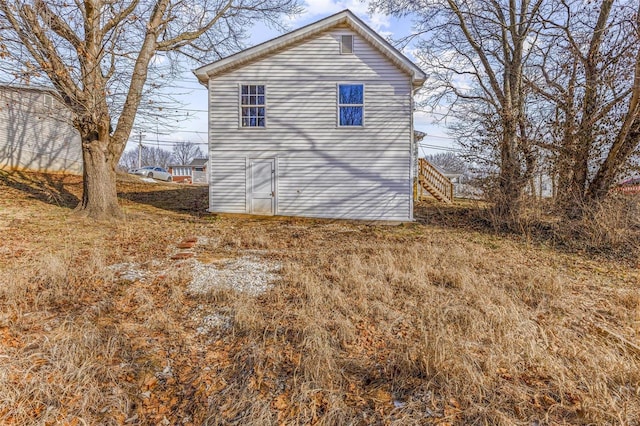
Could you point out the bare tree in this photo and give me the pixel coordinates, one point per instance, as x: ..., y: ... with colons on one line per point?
x: 587, y: 79
x: 99, y: 54
x: 128, y: 160
x: 150, y: 156
x: 184, y: 152
x: 449, y: 161
x: 475, y: 52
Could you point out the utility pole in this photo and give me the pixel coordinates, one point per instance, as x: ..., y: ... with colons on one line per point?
x: 140, y: 149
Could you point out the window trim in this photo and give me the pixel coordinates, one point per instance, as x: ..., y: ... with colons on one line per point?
x: 240, y: 105
x: 342, y: 36
x: 338, y: 105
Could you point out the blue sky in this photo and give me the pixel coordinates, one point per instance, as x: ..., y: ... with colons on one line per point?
x: 194, y: 96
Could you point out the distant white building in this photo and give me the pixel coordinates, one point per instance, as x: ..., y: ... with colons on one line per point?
x: 317, y: 122
x: 36, y: 132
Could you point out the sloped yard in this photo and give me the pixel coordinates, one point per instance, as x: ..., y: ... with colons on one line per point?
x: 293, y: 321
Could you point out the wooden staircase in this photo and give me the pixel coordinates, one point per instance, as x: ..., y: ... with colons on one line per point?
x: 434, y: 182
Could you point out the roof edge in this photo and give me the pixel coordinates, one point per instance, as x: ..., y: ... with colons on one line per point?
x: 35, y: 88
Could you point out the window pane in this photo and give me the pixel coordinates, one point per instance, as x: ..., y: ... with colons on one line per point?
x: 351, y: 93
x: 351, y: 116
x: 252, y: 115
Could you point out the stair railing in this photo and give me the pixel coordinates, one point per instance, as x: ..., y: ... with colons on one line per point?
x: 436, y: 179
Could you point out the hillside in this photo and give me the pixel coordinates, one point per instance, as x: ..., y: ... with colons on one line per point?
x: 297, y: 321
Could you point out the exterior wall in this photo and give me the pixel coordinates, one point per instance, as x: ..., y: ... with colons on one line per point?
x: 180, y: 173
x: 322, y: 170
x: 199, y: 176
x: 36, y: 136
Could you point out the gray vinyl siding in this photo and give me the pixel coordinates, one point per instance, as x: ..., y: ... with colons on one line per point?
x: 34, y: 136
x: 227, y: 185
x: 323, y: 170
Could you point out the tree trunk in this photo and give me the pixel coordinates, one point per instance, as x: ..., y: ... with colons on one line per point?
x: 510, y: 185
x: 99, y: 195
x: 606, y: 176
x: 509, y: 201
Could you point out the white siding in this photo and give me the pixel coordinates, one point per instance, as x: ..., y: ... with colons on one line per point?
x: 227, y: 186
x: 323, y: 170
x: 36, y: 136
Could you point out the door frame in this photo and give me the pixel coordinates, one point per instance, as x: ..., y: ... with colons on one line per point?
x: 248, y: 181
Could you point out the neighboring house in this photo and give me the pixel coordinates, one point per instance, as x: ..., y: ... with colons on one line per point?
x: 199, y: 170
x: 194, y: 172
x: 36, y: 132
x: 629, y: 186
x: 317, y: 122
x: 180, y: 172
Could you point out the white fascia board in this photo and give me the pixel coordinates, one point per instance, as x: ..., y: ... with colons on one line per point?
x: 418, y: 76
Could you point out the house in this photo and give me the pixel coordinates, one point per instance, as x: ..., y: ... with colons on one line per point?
x: 180, y: 172
x: 199, y: 170
x: 317, y: 122
x: 629, y: 186
x: 36, y: 131
x: 194, y: 172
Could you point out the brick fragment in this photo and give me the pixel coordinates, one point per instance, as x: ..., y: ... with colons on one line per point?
x: 181, y: 255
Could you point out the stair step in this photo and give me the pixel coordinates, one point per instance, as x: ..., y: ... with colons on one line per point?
x: 429, y: 178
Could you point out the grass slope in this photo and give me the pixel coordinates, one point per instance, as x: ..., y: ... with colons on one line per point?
x: 369, y: 324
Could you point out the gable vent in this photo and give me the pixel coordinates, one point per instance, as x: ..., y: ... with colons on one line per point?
x: 346, y: 44
x: 48, y: 101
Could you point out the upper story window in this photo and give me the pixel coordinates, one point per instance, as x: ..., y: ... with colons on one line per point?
x: 346, y: 44
x: 252, y: 105
x: 351, y: 104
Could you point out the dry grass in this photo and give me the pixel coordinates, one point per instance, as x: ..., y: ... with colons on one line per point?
x: 610, y: 231
x: 415, y: 324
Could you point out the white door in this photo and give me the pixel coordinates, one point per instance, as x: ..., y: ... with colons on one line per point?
x: 262, y: 195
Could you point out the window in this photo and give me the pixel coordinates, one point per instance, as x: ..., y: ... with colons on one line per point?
x: 48, y: 101
x: 252, y: 105
x: 350, y: 104
x: 346, y: 44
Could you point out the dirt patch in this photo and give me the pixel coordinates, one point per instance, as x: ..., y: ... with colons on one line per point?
x: 246, y: 274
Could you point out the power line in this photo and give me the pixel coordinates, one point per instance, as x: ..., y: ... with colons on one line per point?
x: 163, y: 142
x: 173, y: 109
x: 449, y: 138
x: 189, y: 88
x: 443, y: 148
